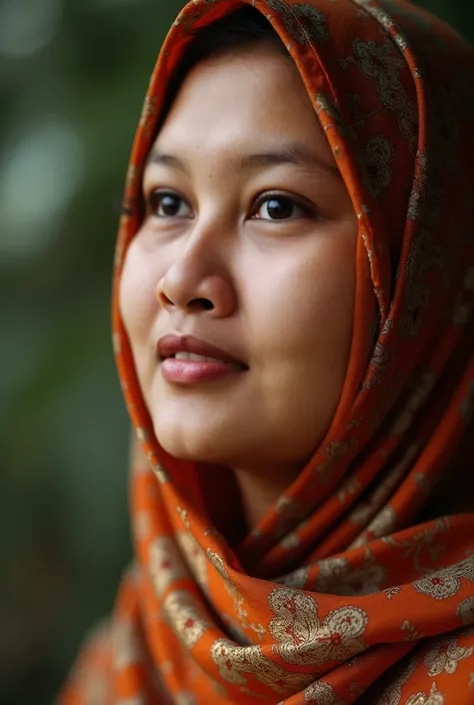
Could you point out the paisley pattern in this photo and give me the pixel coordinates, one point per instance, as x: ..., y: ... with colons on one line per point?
x: 445, y: 656
x: 340, y: 595
x: 447, y: 582
x: 236, y: 663
x: 320, y: 693
x: 305, y: 23
x: 304, y: 639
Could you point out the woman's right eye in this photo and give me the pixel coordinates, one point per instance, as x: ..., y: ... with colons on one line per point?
x: 166, y: 204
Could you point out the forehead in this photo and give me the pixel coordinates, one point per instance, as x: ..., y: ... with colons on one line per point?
x: 235, y: 98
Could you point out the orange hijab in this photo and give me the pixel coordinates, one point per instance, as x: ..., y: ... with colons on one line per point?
x: 336, y: 596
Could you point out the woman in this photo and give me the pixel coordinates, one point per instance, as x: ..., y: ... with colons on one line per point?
x: 294, y: 334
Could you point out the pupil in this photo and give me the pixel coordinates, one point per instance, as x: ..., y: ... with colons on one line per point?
x: 169, y: 204
x: 280, y: 208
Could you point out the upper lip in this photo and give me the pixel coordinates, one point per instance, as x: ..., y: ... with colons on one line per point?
x: 171, y: 344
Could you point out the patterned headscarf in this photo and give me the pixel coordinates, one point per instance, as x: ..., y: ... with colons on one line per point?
x: 336, y: 596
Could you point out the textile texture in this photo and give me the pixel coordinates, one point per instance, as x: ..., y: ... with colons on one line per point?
x: 349, y: 590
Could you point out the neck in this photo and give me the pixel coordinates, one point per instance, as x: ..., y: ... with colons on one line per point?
x: 237, y: 499
x: 261, y: 490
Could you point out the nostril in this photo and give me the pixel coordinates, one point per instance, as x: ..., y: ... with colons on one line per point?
x: 200, y: 305
x: 165, y: 300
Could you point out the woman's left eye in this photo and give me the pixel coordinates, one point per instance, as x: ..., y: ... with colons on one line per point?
x: 278, y: 208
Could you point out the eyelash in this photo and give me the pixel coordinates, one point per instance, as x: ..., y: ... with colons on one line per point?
x: 308, y: 211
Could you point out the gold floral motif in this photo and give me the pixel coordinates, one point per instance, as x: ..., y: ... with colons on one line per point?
x: 305, y: 23
x: 334, y: 452
x: 375, y: 61
x: 381, y: 359
x: 161, y: 473
x: 411, y: 632
x: 378, y: 154
x: 326, y: 104
x: 290, y: 513
x: 388, y: 24
x: 388, y: 327
x: 418, y: 197
x: 433, y: 698
x: 447, y: 582
x: 290, y: 542
x: 337, y: 577
x: 425, y: 544
x: 445, y: 656
x: 239, y: 601
x: 384, y: 523
x: 306, y: 641
x: 382, y: 64
x: 320, y: 693
x: 143, y: 434
x: 278, y: 6
x: 125, y: 646
x: 195, y: 557
x: 235, y: 662
x: 356, y: 111
x: 392, y: 592
x: 465, y: 611
x: 166, y: 564
x: 185, y: 617
x: 349, y: 489
x: 183, y: 515
x: 297, y: 579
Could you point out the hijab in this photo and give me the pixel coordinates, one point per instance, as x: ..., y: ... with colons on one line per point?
x: 348, y: 590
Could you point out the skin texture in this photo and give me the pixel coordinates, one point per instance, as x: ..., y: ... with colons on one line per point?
x: 276, y: 292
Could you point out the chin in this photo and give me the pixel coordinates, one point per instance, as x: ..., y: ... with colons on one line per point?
x: 185, y: 447
x: 215, y: 444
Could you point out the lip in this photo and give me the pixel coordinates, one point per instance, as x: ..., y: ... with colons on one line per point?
x: 224, y: 364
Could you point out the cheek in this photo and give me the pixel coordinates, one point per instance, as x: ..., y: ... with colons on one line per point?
x: 305, y: 308
x: 137, y: 294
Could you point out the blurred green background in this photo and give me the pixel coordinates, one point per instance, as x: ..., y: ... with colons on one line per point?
x: 73, y: 74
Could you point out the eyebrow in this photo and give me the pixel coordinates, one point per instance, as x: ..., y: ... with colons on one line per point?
x: 160, y: 158
x: 297, y: 154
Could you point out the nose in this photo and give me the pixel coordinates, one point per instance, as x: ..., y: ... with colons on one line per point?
x: 197, y: 283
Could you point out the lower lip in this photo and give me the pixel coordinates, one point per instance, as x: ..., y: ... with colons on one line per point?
x: 193, y: 371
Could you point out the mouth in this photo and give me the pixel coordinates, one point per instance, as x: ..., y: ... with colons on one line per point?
x: 186, y: 359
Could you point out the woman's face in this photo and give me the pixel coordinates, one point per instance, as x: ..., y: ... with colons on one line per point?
x: 249, y: 245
